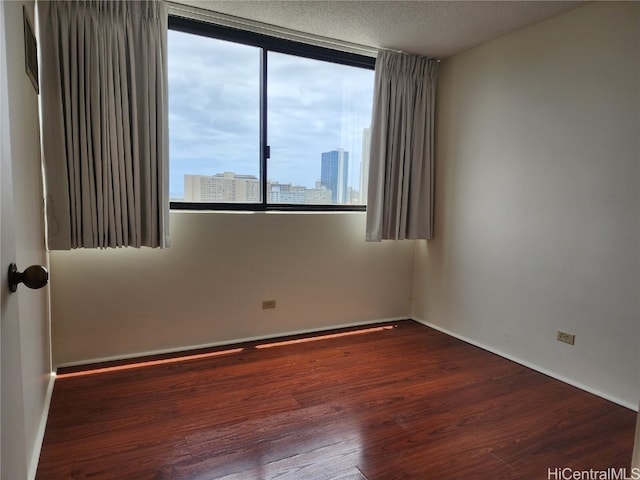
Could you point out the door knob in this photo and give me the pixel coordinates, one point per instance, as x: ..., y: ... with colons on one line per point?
x: 36, y: 276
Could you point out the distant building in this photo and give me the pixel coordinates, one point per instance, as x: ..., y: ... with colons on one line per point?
x: 334, y: 174
x: 364, y: 165
x: 284, y: 193
x: 229, y: 187
x: 221, y: 188
x: 317, y: 196
x: 353, y: 197
x: 297, y: 194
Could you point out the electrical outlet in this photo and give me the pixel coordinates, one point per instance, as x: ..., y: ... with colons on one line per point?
x: 268, y: 304
x: 566, y: 337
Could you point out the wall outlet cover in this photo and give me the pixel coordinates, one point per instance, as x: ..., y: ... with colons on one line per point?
x: 566, y: 337
x: 268, y: 304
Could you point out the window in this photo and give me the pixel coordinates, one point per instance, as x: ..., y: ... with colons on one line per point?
x: 261, y: 123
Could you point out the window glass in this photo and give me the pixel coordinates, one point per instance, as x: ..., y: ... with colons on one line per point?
x: 214, y: 119
x: 318, y: 116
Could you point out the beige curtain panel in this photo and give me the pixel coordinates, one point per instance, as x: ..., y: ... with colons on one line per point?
x: 401, y: 163
x: 105, y: 123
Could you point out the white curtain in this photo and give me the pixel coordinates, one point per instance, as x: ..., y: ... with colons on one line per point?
x: 401, y: 163
x: 105, y: 122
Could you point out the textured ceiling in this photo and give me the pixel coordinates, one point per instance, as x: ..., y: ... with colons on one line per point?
x: 431, y: 28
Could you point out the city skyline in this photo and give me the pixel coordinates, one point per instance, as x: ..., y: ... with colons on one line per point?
x: 232, y: 187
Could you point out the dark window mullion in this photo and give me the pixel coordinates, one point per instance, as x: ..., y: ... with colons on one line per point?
x: 263, y: 127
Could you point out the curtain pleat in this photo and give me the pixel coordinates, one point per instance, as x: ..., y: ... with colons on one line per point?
x: 401, y: 164
x: 105, y: 123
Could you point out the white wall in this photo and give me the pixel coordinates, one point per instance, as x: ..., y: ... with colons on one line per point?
x: 28, y: 217
x: 537, y: 199
x: 208, y: 286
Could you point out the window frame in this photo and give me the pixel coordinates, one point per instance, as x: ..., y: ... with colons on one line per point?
x: 266, y: 44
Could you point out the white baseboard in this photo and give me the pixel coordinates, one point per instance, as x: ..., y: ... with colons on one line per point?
x: 537, y: 368
x: 234, y: 341
x: 37, y: 448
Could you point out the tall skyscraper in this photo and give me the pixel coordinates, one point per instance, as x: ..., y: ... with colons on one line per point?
x: 364, y: 165
x: 334, y: 174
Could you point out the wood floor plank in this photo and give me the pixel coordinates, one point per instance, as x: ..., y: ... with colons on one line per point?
x: 325, y: 463
x: 396, y: 401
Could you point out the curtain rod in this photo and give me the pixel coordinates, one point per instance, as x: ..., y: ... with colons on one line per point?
x: 210, y: 16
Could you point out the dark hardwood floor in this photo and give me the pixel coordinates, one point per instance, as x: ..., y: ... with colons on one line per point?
x: 395, y: 401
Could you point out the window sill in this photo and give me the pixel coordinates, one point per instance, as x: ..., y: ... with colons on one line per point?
x: 259, y: 207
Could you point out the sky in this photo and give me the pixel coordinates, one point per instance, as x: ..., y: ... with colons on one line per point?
x: 313, y: 107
